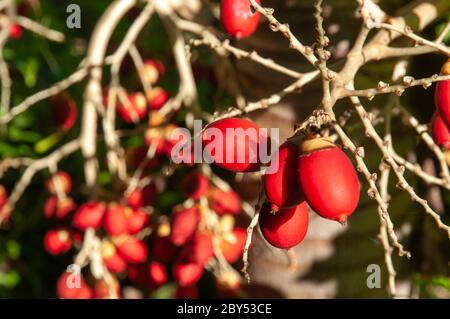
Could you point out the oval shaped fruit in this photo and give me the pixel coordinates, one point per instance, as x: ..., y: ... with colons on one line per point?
x: 157, y: 98
x: 440, y: 132
x: 115, y: 221
x: 442, y: 95
x: 280, y: 181
x: 328, y: 180
x: 58, y: 208
x: 111, y: 258
x: 64, y: 111
x: 132, y: 249
x: 195, y: 185
x: 287, y: 227
x: 58, y: 181
x: 133, y: 110
x: 238, y: 19
x: 234, y: 144
x: 200, y: 249
x: 187, y: 273
x: 157, y: 274
x: 224, y: 202
x: 15, y: 31
x: 57, y: 241
x: 136, y: 220
x: 89, y: 215
x: 152, y: 71
x: 184, y: 225
x: 142, y: 196
x: 71, y: 286
x: 232, y: 244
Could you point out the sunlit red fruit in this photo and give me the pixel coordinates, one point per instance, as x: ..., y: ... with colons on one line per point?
x: 60, y: 181
x: 328, y: 179
x: 113, y: 261
x: 89, y: 215
x: 15, y: 31
x: 186, y: 272
x: 224, y: 202
x: 285, y: 228
x: 440, y: 132
x: 136, y: 220
x: 153, y: 70
x: 157, y: 98
x: 184, y: 225
x: 73, y: 286
x: 199, y: 249
x: 57, y: 241
x: 115, y: 220
x: 5, y: 211
x: 133, y: 110
x: 232, y: 244
x: 238, y: 19
x: 55, y: 207
x: 142, y: 196
x: 442, y: 95
x: 195, y: 185
x: 234, y: 144
x: 131, y: 249
x: 280, y: 183
x: 157, y: 274
x: 64, y: 111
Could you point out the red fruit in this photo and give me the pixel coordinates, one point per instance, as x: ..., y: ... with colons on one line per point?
x: 154, y: 137
x: 64, y: 111
x: 133, y: 110
x: 224, y: 202
x: 157, y: 274
x: 68, y: 287
x: 195, y: 185
x: 142, y: 196
x: 157, y: 97
x: 111, y: 258
x: 238, y: 19
x: 187, y: 273
x: 200, y: 249
x: 280, y: 183
x: 3, y: 196
x: 132, y: 249
x: 184, y: 225
x: 5, y: 211
x: 115, y: 221
x: 232, y: 244
x: 442, y: 95
x: 234, y: 144
x: 162, y: 249
x: 59, y: 208
x: 186, y: 292
x: 440, y: 132
x: 328, y: 179
x: 15, y: 31
x: 136, y: 220
x: 57, y: 241
x: 59, y: 181
x: 287, y: 227
x: 89, y: 215
x: 153, y: 70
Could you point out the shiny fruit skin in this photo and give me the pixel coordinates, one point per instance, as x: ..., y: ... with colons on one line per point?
x: 329, y: 182
x: 135, y: 110
x: 157, y: 274
x: 58, y: 208
x: 200, y: 249
x: 195, y: 185
x: 442, y: 95
x: 57, y: 241
x: 231, y: 143
x: 89, y: 215
x: 157, y: 98
x: 440, y: 132
x: 285, y: 228
x: 66, y: 287
x: 60, y: 179
x: 132, y: 250
x: 184, y: 225
x: 224, y: 202
x: 232, y: 245
x: 15, y: 31
x: 238, y: 19
x: 187, y: 273
x: 136, y: 220
x: 64, y: 111
x: 115, y: 221
x: 113, y: 261
x: 281, y: 186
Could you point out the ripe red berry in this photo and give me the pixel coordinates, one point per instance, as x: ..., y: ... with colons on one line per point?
x: 224, y: 202
x: 162, y: 249
x: 280, y: 185
x: 57, y: 241
x: 157, y: 97
x: 15, y: 31
x: 133, y: 110
x: 68, y: 287
x: 440, y: 132
x: 3, y: 196
x: 234, y: 144
x: 111, y: 258
x: 157, y: 274
x: 115, y: 221
x: 142, y: 196
x: 153, y: 70
x: 199, y: 249
x: 328, y: 179
x: 238, y: 18
x: 64, y: 111
x: 136, y: 220
x: 186, y: 292
x: 195, y: 185
x: 89, y: 215
x: 286, y: 228
x: 187, y: 273
x: 131, y: 249
x: 58, y: 208
x: 442, y: 95
x: 184, y: 225
x: 59, y: 181
x: 232, y: 244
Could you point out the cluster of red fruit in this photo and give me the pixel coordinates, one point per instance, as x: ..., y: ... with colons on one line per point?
x: 238, y: 19
x: 440, y: 125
